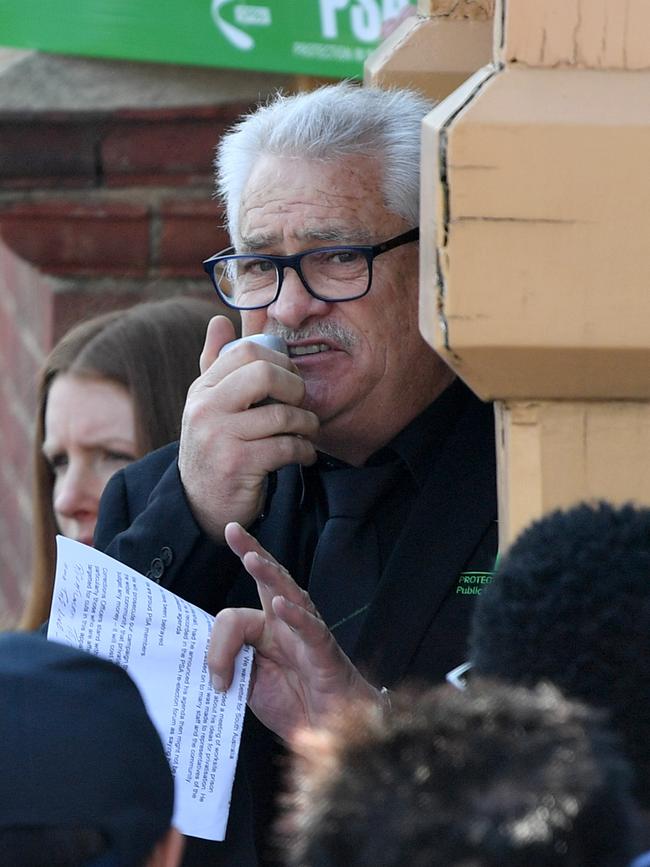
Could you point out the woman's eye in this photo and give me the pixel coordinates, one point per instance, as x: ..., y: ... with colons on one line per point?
x: 119, y: 457
x: 57, y: 462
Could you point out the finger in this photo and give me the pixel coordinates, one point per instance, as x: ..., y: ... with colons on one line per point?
x: 247, y: 350
x: 276, y: 452
x: 241, y: 542
x: 303, y: 618
x: 248, y: 463
x: 220, y: 331
x: 241, y: 356
x: 274, y: 580
x: 322, y: 656
x: 324, y: 661
x: 256, y: 560
x: 258, y: 379
x: 271, y: 577
x: 274, y: 419
x: 232, y: 628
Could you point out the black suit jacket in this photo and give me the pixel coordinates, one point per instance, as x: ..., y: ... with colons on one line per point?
x: 417, y: 624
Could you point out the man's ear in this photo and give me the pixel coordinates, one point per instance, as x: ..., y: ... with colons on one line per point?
x: 168, y: 851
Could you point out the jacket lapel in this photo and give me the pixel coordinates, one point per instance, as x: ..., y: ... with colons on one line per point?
x: 455, y: 510
x: 276, y: 530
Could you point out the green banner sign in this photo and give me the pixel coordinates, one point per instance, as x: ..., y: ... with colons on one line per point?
x: 314, y: 37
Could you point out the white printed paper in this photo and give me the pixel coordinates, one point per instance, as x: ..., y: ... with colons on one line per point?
x: 102, y: 606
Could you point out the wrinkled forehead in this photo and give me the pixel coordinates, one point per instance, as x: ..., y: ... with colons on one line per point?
x: 303, y: 200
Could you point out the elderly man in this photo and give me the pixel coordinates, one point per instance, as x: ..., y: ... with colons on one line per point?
x: 357, y: 460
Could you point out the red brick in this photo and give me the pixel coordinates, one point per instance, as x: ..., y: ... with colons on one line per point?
x: 190, y: 231
x: 159, y: 154
x: 15, y: 523
x: 10, y: 440
x: 26, y: 366
x: 75, y: 304
x: 48, y: 151
x: 224, y: 115
x: 10, y: 358
x: 34, y: 309
x: 14, y: 570
x: 9, y: 345
x: 6, y: 336
x: 27, y: 293
x: 21, y: 289
x: 164, y: 147
x: 22, y: 349
x: 69, y: 237
x: 86, y: 299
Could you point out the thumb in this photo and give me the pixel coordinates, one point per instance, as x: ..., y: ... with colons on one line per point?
x: 220, y: 331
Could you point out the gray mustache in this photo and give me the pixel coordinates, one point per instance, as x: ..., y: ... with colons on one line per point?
x: 320, y: 331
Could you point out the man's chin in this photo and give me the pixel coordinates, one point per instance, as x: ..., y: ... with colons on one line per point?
x: 321, y: 403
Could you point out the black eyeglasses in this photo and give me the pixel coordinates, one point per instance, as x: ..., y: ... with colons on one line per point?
x: 342, y: 273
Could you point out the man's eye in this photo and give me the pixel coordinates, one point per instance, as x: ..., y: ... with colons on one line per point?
x: 347, y: 257
x: 337, y: 257
x: 257, y: 266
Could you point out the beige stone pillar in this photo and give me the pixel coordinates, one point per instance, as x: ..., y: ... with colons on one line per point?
x: 435, y: 50
x: 535, y: 252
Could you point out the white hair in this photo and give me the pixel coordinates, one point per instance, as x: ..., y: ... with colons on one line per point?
x: 329, y: 124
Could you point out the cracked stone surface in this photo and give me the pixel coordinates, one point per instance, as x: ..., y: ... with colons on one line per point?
x: 476, y: 10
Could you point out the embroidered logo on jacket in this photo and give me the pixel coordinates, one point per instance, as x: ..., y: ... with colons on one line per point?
x: 471, y: 583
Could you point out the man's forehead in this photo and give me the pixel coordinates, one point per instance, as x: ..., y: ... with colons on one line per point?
x: 318, y: 233
x: 311, y: 200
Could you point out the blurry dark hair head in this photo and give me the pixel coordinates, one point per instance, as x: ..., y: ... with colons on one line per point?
x: 570, y: 603
x: 83, y: 770
x: 152, y: 350
x: 495, y: 776
x: 60, y: 846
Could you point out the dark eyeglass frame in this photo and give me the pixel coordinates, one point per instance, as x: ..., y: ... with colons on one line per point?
x: 368, y: 251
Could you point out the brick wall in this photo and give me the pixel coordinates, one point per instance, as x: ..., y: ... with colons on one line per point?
x: 25, y: 329
x: 98, y: 209
x: 126, y: 194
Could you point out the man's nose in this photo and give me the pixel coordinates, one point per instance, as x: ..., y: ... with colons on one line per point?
x: 294, y: 305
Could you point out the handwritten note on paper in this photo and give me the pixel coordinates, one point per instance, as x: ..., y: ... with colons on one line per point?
x: 106, y: 608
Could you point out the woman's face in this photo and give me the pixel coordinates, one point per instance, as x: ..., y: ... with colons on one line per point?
x: 89, y: 435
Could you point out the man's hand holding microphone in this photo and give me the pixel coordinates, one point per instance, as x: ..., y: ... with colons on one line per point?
x: 243, y: 419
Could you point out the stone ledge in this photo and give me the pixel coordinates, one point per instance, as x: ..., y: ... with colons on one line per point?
x: 34, y: 81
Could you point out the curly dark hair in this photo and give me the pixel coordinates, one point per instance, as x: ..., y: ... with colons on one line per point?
x: 496, y: 776
x: 570, y: 603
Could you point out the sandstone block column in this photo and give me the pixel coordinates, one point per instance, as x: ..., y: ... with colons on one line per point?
x: 535, y: 253
x: 435, y: 50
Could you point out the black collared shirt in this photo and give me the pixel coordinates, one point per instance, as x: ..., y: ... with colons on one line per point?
x: 414, y: 452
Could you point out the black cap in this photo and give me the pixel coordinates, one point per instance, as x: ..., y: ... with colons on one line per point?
x: 77, y: 748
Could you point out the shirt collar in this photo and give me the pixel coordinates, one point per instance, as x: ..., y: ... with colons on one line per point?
x: 419, y: 444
